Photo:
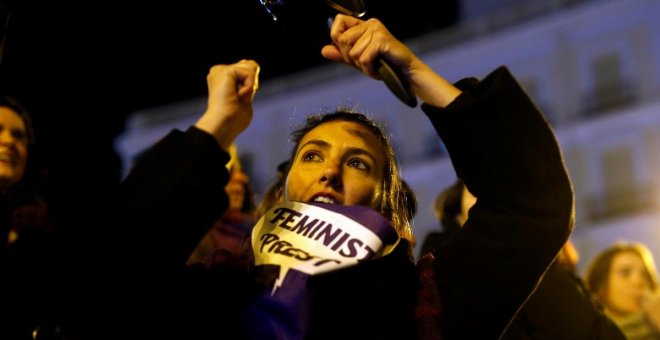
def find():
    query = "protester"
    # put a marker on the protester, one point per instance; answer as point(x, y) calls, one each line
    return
point(334, 258)
point(625, 279)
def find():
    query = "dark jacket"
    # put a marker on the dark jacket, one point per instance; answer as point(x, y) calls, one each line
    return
point(562, 308)
point(504, 151)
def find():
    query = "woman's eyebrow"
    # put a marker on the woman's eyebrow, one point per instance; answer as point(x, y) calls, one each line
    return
point(365, 136)
point(360, 151)
point(317, 142)
point(324, 145)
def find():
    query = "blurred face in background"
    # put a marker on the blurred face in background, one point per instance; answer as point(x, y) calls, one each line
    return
point(235, 188)
point(13, 147)
point(628, 283)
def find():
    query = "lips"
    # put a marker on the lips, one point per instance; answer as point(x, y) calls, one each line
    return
point(6, 158)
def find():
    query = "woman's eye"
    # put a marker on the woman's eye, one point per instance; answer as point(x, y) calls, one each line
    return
point(359, 164)
point(19, 135)
point(311, 156)
point(625, 272)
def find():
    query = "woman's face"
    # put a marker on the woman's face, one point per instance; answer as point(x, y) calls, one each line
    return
point(337, 162)
point(13, 147)
point(628, 282)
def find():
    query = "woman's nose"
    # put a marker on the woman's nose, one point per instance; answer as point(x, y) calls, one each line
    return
point(6, 138)
point(331, 175)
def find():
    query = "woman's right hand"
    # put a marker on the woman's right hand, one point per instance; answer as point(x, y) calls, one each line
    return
point(231, 89)
point(359, 43)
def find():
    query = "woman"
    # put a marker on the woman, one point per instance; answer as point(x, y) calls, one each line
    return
point(23, 211)
point(333, 259)
point(625, 280)
point(16, 134)
point(15, 140)
point(26, 248)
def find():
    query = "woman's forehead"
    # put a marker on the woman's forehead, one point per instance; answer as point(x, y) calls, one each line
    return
point(625, 258)
point(7, 113)
point(339, 130)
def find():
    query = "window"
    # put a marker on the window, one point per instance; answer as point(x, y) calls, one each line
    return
point(610, 89)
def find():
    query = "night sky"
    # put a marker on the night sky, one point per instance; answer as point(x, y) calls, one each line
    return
point(80, 69)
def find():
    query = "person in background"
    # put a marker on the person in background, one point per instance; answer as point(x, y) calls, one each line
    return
point(29, 248)
point(449, 211)
point(24, 210)
point(227, 240)
point(624, 278)
point(561, 307)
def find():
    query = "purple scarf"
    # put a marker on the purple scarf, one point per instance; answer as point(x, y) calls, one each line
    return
point(293, 241)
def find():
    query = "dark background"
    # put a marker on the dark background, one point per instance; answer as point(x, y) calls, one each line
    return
point(80, 69)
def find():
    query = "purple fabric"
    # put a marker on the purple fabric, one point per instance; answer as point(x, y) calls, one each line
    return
point(282, 310)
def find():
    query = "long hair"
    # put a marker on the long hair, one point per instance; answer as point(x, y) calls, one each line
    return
point(391, 200)
point(274, 191)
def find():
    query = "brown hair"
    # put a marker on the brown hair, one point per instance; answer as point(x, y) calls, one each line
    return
point(274, 191)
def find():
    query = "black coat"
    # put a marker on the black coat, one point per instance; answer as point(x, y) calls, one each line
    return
point(562, 308)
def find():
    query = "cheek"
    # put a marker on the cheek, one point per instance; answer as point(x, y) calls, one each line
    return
point(617, 288)
point(360, 192)
point(614, 284)
point(293, 186)
point(23, 158)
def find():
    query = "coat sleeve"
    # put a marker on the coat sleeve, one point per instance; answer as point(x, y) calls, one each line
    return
point(507, 155)
point(562, 308)
point(172, 196)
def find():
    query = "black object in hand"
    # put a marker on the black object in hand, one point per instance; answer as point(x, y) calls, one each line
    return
point(289, 11)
